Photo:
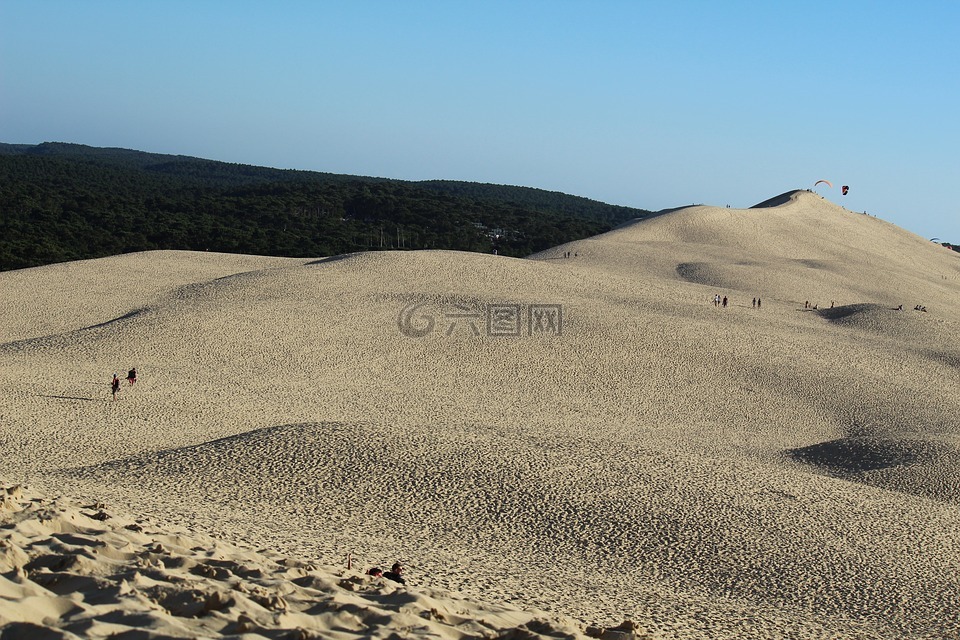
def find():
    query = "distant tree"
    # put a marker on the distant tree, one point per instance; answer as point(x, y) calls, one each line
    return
point(61, 202)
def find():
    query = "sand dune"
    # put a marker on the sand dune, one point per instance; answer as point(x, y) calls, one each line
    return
point(102, 290)
point(100, 574)
point(818, 256)
point(632, 452)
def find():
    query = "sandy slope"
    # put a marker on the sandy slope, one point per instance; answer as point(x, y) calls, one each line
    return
point(109, 288)
point(102, 575)
point(707, 472)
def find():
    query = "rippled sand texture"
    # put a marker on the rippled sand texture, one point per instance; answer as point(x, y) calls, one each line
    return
point(636, 452)
point(71, 570)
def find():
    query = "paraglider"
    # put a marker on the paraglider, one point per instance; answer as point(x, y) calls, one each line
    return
point(826, 182)
point(844, 189)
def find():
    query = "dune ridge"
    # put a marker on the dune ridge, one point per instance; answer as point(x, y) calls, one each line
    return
point(586, 435)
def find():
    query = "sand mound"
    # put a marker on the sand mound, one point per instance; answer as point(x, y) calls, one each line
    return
point(70, 570)
point(795, 247)
point(899, 328)
point(492, 420)
point(109, 287)
point(894, 322)
point(493, 477)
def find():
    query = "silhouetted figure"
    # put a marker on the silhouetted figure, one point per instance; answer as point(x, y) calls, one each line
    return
point(115, 386)
point(724, 302)
point(394, 573)
point(132, 376)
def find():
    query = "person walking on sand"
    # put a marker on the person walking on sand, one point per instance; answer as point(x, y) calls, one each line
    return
point(724, 302)
point(132, 376)
point(115, 386)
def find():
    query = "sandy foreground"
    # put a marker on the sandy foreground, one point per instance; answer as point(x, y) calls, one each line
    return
point(72, 570)
point(582, 438)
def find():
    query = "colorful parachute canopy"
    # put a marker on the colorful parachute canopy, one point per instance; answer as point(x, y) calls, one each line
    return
point(826, 182)
point(844, 189)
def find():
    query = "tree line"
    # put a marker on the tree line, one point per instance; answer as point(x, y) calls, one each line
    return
point(62, 202)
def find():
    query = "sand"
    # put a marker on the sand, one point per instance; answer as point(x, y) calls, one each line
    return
point(102, 575)
point(632, 453)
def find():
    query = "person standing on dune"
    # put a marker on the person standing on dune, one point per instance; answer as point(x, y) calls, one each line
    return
point(115, 386)
point(132, 376)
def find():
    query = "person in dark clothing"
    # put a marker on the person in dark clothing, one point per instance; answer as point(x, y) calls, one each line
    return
point(115, 386)
point(132, 376)
point(376, 572)
point(394, 573)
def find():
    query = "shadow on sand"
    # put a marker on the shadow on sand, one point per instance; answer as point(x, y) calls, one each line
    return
point(336, 258)
point(40, 395)
point(861, 454)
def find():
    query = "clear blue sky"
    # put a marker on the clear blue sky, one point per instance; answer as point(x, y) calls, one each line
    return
point(646, 104)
